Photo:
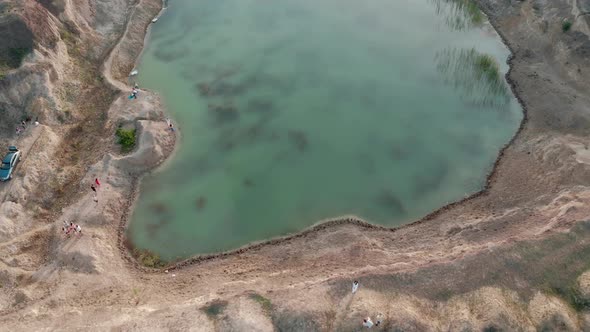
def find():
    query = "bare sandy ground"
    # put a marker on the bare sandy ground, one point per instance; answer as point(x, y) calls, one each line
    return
point(514, 257)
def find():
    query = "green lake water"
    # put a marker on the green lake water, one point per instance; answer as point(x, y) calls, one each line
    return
point(293, 111)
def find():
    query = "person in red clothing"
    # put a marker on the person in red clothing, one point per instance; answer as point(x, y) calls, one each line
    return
point(97, 182)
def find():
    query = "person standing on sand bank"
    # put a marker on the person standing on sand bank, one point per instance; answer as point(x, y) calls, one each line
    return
point(169, 124)
point(355, 286)
point(367, 322)
point(95, 192)
point(97, 182)
point(379, 319)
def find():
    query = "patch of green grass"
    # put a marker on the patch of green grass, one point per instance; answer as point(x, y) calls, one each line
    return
point(460, 14)
point(148, 258)
point(214, 308)
point(478, 74)
point(263, 301)
point(471, 10)
point(126, 139)
point(487, 67)
point(566, 26)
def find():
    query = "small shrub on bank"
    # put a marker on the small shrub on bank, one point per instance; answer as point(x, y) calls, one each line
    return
point(214, 308)
point(148, 258)
point(263, 301)
point(566, 26)
point(126, 139)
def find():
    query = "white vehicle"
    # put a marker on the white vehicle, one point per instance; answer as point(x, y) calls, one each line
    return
point(9, 163)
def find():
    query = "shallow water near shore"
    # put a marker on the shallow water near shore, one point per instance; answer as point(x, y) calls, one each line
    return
point(294, 111)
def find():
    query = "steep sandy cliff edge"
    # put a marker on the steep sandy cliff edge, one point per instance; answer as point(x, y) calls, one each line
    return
point(514, 257)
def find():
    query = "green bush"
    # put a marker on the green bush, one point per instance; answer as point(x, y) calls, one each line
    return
point(126, 139)
point(566, 26)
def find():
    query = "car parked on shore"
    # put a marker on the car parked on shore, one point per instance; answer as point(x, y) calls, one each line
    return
point(9, 163)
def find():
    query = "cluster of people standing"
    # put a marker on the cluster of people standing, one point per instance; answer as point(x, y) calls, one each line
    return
point(367, 322)
point(134, 92)
point(75, 228)
point(23, 125)
point(133, 95)
point(71, 228)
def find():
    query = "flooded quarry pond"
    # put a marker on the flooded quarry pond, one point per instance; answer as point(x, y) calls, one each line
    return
point(293, 111)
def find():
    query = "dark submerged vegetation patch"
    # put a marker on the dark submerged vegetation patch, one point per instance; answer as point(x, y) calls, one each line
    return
point(260, 105)
point(476, 75)
point(487, 68)
point(388, 199)
point(399, 152)
point(201, 203)
point(159, 208)
point(223, 114)
point(427, 181)
point(367, 163)
point(459, 14)
point(234, 137)
point(299, 139)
